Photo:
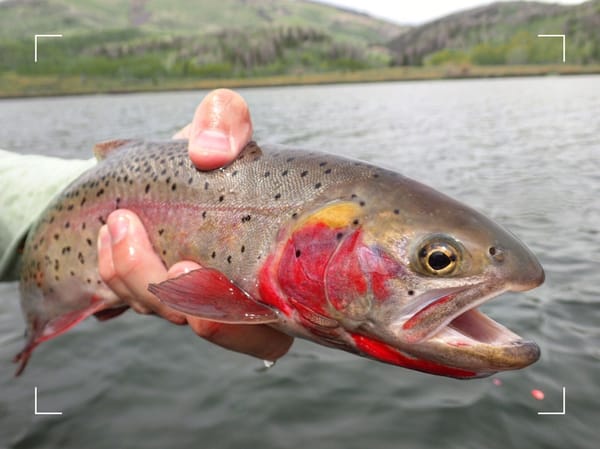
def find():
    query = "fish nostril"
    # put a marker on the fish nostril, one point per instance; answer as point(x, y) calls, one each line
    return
point(496, 253)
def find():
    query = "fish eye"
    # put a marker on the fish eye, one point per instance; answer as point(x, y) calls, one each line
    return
point(438, 258)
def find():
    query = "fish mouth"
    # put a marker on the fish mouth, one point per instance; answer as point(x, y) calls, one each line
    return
point(447, 327)
point(442, 332)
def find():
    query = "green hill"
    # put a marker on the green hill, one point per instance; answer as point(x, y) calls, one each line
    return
point(24, 18)
point(504, 33)
point(156, 39)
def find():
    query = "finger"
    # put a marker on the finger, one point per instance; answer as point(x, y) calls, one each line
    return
point(257, 340)
point(183, 133)
point(136, 265)
point(220, 129)
point(106, 267)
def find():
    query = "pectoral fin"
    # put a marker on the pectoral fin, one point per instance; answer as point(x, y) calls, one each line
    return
point(209, 294)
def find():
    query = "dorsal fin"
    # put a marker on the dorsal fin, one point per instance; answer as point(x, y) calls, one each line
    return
point(103, 149)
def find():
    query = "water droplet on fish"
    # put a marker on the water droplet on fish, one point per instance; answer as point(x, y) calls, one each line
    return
point(267, 364)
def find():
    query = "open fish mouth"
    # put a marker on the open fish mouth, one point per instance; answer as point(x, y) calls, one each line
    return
point(446, 326)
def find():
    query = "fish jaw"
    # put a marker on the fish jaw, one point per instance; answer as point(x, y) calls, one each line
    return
point(445, 334)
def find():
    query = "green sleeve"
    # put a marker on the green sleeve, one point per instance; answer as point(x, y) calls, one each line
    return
point(27, 184)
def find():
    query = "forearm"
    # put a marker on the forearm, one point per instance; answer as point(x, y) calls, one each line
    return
point(27, 184)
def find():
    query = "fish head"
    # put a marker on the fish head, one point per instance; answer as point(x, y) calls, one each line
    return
point(406, 285)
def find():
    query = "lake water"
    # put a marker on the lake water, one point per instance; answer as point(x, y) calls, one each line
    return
point(524, 151)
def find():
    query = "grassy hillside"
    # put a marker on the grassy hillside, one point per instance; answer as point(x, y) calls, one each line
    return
point(505, 33)
point(156, 39)
point(23, 18)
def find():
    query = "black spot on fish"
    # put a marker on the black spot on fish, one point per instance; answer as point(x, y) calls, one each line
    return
point(267, 174)
point(56, 236)
point(327, 171)
point(147, 188)
point(190, 180)
point(221, 198)
point(100, 192)
point(168, 180)
point(318, 185)
point(66, 249)
point(206, 185)
point(67, 225)
point(233, 173)
point(83, 225)
point(397, 211)
point(228, 259)
point(295, 215)
point(284, 173)
point(355, 222)
point(89, 241)
point(51, 219)
point(376, 175)
point(304, 173)
point(106, 183)
point(160, 231)
point(163, 171)
point(339, 235)
point(213, 255)
point(72, 273)
point(242, 249)
point(298, 252)
point(362, 203)
point(277, 196)
point(174, 187)
point(322, 164)
point(290, 159)
point(101, 220)
point(204, 214)
point(70, 207)
point(81, 258)
point(88, 280)
point(411, 292)
point(56, 265)
point(246, 218)
point(164, 253)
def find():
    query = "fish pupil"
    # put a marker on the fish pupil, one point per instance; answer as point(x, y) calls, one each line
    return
point(438, 260)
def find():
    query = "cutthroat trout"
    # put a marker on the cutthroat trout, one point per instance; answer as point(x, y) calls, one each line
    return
point(321, 247)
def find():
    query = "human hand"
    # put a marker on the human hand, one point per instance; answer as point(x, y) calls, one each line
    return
point(127, 263)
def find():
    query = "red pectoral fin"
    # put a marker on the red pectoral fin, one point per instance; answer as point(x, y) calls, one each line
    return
point(209, 294)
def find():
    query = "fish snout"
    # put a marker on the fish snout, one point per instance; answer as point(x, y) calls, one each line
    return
point(517, 265)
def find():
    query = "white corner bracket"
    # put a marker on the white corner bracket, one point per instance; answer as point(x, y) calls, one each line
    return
point(563, 43)
point(35, 405)
point(564, 409)
point(35, 43)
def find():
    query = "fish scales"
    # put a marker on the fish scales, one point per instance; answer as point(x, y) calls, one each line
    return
point(277, 223)
point(217, 212)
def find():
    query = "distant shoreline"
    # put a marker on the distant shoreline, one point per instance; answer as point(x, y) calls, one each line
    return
point(15, 86)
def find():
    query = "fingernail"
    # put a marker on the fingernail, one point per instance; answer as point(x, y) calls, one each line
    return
point(118, 229)
point(213, 141)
